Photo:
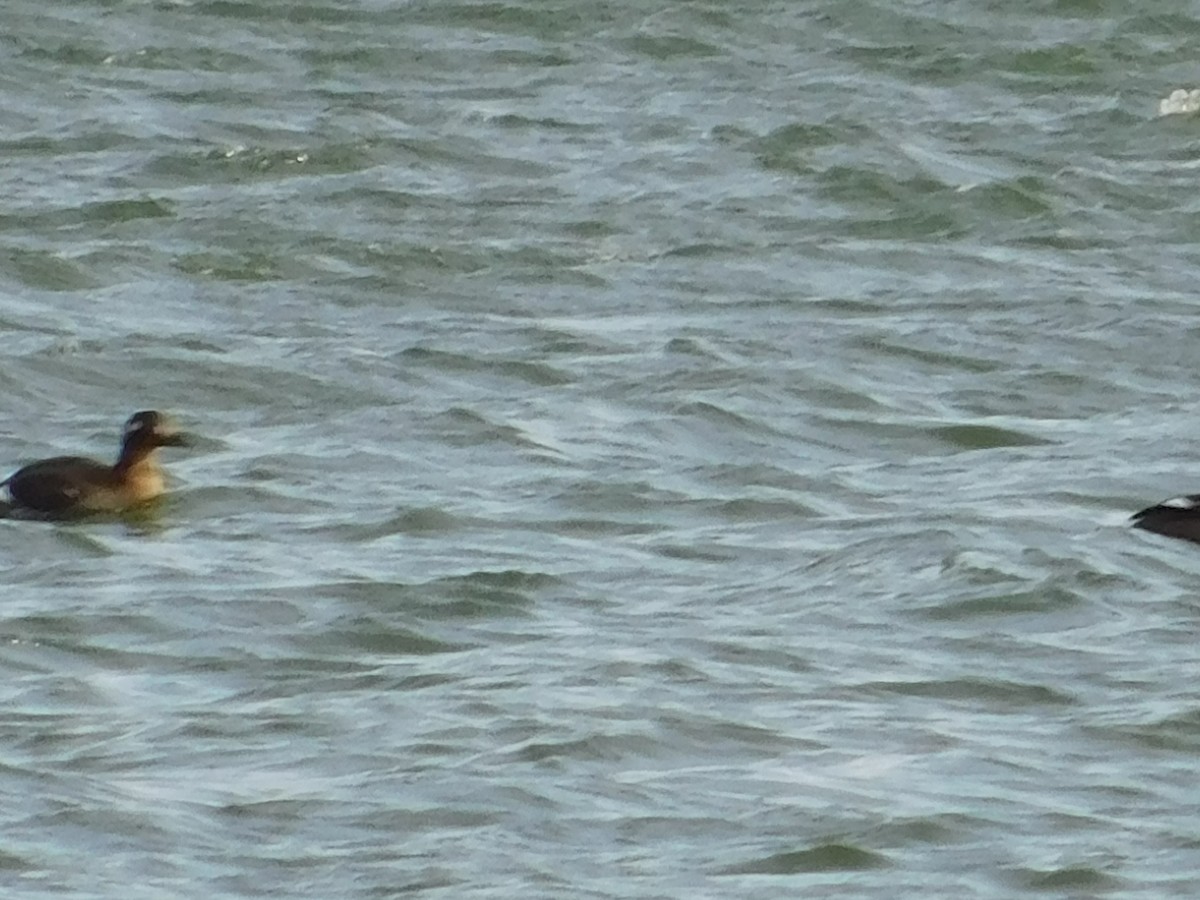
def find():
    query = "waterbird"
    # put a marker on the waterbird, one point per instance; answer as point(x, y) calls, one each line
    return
point(1177, 518)
point(74, 485)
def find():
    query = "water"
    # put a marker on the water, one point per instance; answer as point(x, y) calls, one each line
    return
point(643, 451)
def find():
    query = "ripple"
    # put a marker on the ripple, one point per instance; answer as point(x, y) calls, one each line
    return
point(822, 858)
point(467, 428)
point(664, 47)
point(1178, 733)
point(470, 595)
point(990, 690)
point(46, 271)
point(417, 521)
point(1039, 600)
point(538, 374)
point(981, 437)
point(1068, 878)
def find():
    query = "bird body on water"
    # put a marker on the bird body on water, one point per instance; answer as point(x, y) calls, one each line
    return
point(1177, 518)
point(75, 485)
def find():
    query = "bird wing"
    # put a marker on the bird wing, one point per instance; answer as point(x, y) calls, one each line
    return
point(55, 485)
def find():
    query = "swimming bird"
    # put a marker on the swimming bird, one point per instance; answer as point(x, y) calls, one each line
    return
point(1177, 518)
point(75, 485)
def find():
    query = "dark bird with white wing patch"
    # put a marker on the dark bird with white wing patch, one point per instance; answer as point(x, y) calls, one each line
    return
point(1177, 518)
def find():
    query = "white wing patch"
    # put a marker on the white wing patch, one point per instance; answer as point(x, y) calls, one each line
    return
point(1179, 503)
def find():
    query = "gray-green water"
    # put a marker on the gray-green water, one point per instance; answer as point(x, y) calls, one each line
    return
point(648, 451)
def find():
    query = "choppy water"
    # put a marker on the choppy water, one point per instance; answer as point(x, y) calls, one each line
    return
point(645, 451)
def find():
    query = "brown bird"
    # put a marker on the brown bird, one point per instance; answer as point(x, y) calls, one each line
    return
point(75, 485)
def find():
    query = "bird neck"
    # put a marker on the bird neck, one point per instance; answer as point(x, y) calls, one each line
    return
point(134, 457)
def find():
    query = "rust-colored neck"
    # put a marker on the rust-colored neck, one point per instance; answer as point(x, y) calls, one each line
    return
point(133, 455)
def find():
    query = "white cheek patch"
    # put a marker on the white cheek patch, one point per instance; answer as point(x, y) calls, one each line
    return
point(1180, 503)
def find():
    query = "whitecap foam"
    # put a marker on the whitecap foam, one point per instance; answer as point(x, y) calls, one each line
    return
point(1180, 102)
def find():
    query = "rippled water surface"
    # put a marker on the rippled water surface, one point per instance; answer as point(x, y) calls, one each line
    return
point(643, 451)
